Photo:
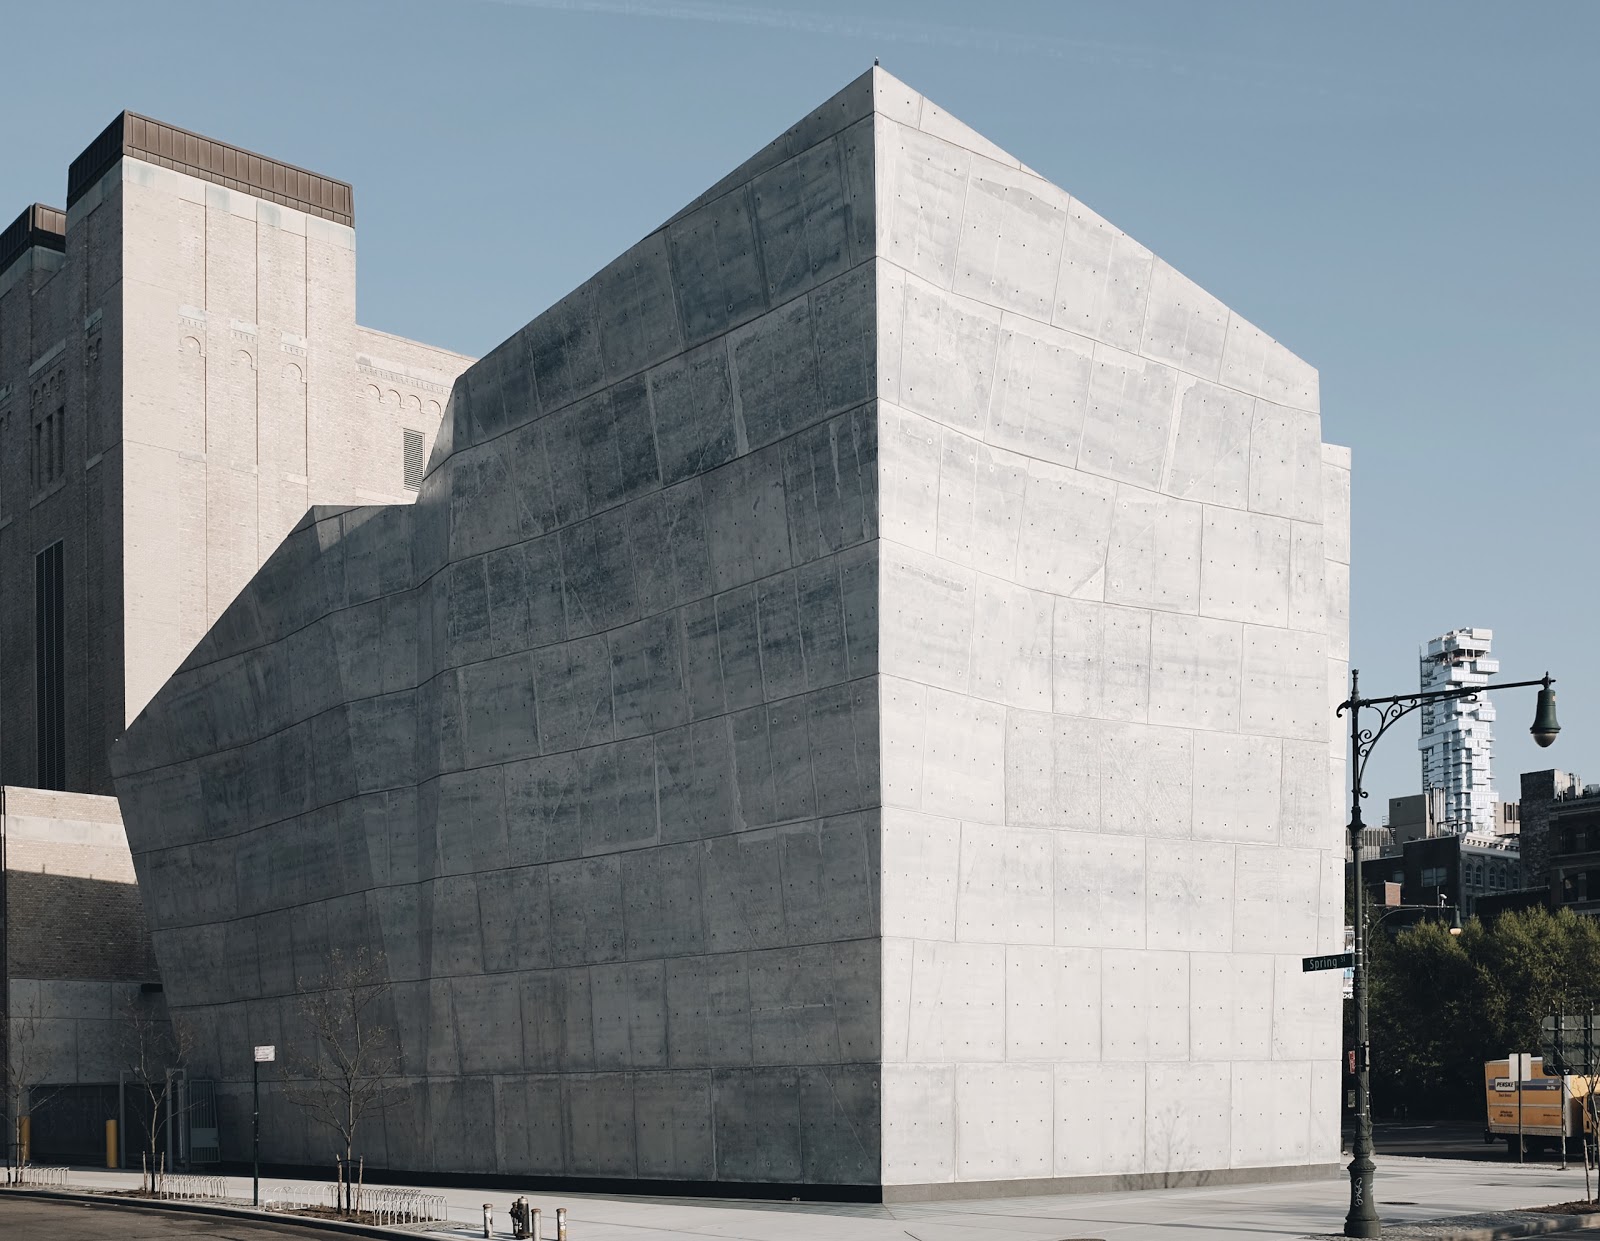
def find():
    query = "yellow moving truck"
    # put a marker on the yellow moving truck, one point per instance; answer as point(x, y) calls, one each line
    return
point(1552, 1105)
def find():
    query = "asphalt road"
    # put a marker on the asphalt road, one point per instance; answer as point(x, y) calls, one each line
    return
point(1443, 1139)
point(35, 1219)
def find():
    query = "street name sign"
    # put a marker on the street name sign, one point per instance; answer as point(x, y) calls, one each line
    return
point(1333, 961)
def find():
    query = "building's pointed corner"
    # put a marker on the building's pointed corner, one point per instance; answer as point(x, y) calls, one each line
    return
point(904, 105)
point(849, 106)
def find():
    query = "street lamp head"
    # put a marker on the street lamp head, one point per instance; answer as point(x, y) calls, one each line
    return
point(1545, 727)
point(1455, 919)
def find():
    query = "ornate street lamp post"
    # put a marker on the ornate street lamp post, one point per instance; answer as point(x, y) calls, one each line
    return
point(1362, 1218)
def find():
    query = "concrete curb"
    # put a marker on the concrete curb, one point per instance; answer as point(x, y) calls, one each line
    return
point(221, 1210)
point(1491, 1226)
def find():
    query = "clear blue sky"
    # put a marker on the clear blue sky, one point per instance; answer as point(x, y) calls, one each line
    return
point(1404, 194)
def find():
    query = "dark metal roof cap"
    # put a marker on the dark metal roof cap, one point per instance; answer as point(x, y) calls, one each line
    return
point(38, 225)
point(167, 146)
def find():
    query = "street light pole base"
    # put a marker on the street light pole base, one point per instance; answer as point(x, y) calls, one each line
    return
point(1362, 1219)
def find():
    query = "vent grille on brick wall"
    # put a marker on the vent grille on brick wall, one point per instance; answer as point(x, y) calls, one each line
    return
point(413, 459)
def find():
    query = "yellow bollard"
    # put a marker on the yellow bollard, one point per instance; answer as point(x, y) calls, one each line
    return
point(111, 1143)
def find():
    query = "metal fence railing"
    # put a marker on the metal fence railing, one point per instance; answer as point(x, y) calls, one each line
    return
point(41, 1176)
point(287, 1197)
point(189, 1187)
point(403, 1206)
point(385, 1205)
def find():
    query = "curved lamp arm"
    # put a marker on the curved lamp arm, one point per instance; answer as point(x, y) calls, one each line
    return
point(1455, 920)
point(1397, 706)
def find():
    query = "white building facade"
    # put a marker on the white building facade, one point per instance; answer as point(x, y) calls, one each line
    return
point(1457, 740)
point(181, 377)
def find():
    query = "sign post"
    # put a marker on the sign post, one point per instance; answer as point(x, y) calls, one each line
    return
point(264, 1055)
point(1522, 1066)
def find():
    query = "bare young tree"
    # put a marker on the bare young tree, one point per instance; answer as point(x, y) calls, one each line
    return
point(351, 1057)
point(154, 1051)
point(26, 1062)
point(1589, 1127)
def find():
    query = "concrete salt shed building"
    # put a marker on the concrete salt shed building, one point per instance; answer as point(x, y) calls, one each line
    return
point(849, 708)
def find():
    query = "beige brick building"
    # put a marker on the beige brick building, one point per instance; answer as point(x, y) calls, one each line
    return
point(181, 377)
point(78, 968)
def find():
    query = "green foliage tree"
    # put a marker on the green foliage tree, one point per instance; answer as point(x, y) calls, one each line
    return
point(1442, 1004)
point(1423, 989)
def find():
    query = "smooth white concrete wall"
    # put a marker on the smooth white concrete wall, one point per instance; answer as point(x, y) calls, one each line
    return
point(1113, 619)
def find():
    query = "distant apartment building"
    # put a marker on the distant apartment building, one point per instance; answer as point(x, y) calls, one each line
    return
point(1454, 870)
point(1417, 860)
point(181, 378)
point(1420, 816)
point(1457, 742)
point(1561, 838)
point(1416, 817)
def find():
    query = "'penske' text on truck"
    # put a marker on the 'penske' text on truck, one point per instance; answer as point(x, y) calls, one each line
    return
point(1553, 1109)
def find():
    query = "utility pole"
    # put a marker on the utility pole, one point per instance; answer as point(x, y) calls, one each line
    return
point(263, 1055)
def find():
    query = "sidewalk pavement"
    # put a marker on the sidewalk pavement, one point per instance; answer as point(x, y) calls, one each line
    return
point(1409, 1190)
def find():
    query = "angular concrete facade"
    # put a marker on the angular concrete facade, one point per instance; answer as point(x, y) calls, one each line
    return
point(850, 707)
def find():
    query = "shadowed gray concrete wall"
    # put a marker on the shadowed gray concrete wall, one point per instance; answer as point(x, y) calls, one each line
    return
point(588, 740)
